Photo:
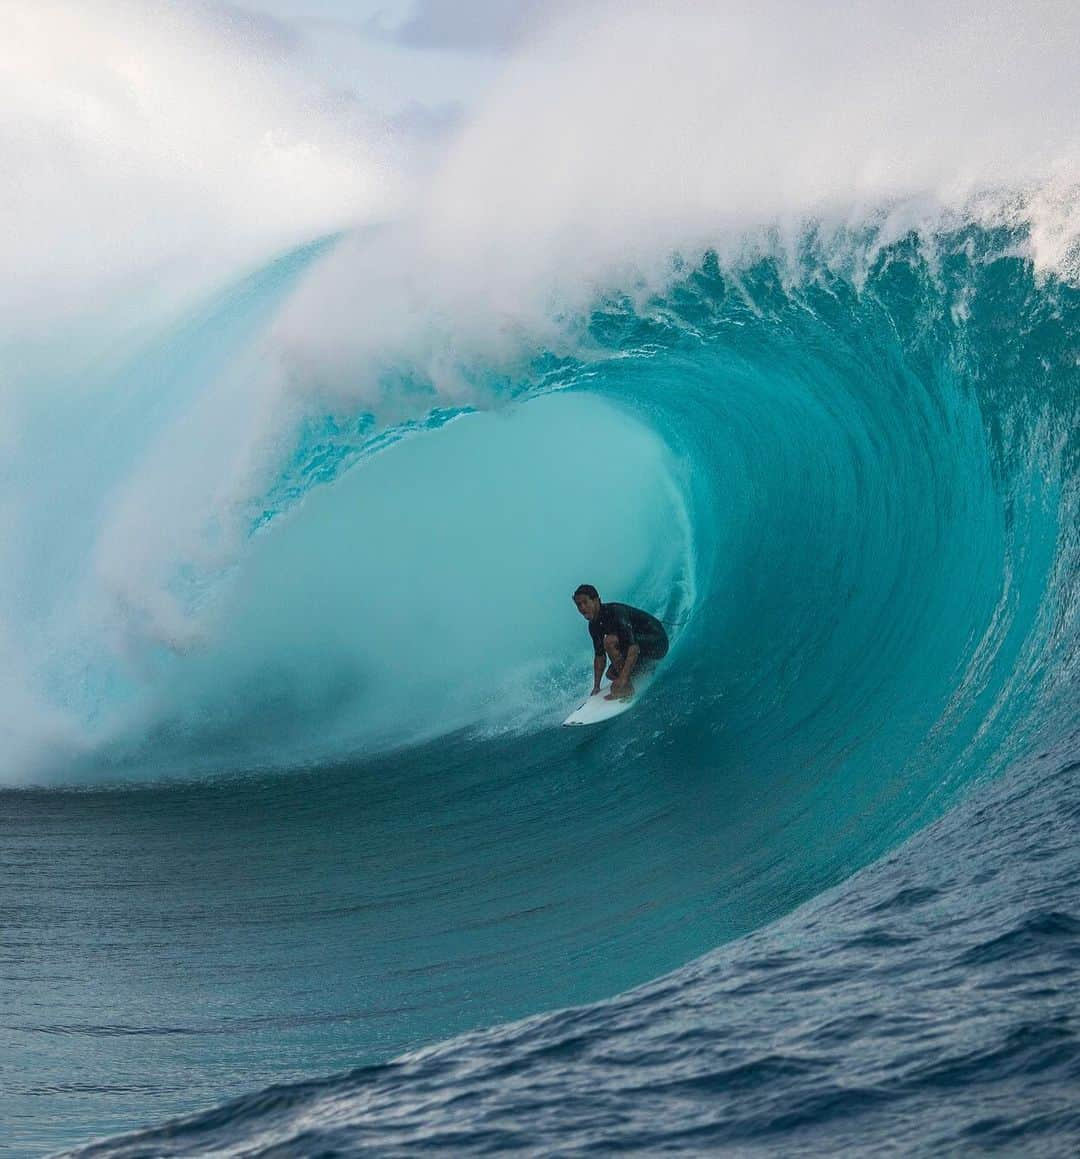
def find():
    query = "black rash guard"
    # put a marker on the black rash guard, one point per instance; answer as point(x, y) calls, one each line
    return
point(632, 626)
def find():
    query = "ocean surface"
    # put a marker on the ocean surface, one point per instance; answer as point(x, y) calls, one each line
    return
point(296, 858)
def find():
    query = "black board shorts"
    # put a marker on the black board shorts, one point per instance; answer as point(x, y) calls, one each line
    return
point(632, 626)
point(652, 645)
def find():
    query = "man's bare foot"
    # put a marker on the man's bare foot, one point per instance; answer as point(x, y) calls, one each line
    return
point(623, 693)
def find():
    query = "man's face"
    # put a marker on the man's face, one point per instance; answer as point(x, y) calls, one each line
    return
point(587, 606)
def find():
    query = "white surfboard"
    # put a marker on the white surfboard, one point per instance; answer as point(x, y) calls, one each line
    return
point(597, 708)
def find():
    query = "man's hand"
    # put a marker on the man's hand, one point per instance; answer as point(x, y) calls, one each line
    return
point(596, 689)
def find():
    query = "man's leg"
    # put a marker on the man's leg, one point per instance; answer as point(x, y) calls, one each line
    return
point(611, 647)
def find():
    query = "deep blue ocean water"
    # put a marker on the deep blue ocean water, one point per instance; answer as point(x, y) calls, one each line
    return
point(298, 876)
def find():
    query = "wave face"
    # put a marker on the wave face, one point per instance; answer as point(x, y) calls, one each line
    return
point(849, 483)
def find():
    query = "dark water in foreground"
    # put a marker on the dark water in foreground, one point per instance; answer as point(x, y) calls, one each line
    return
point(926, 1006)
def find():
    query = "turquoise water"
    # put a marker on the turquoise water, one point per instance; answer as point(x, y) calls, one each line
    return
point(292, 796)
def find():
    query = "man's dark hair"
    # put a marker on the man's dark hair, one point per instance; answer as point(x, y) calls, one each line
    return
point(587, 590)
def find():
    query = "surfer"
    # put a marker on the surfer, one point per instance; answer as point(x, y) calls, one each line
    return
point(624, 635)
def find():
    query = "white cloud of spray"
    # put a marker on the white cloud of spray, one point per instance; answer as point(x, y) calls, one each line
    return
point(633, 126)
point(143, 133)
point(142, 139)
point(630, 130)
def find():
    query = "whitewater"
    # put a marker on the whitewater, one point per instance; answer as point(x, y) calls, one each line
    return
point(767, 322)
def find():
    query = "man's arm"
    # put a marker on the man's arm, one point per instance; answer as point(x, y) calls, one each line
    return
point(599, 663)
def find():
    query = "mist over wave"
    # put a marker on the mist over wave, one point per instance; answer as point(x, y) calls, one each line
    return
point(151, 149)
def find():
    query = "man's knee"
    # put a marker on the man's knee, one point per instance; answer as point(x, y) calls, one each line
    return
point(611, 643)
